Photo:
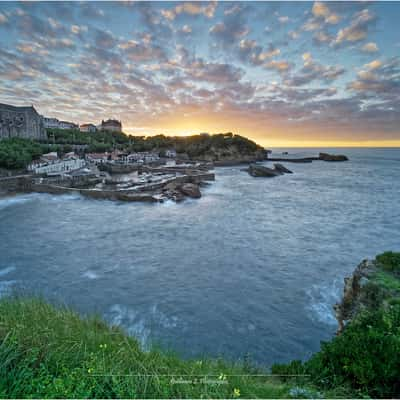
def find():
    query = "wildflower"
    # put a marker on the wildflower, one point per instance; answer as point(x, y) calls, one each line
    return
point(103, 346)
point(236, 392)
point(222, 377)
point(90, 370)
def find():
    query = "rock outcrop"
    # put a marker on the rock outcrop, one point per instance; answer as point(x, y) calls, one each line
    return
point(281, 168)
point(191, 190)
point(179, 191)
point(353, 296)
point(332, 157)
point(261, 171)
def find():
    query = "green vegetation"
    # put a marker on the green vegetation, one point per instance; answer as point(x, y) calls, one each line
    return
point(17, 153)
point(51, 352)
point(194, 146)
point(96, 141)
point(198, 146)
point(389, 261)
point(365, 359)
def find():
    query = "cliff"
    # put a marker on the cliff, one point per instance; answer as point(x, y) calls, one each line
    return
point(374, 283)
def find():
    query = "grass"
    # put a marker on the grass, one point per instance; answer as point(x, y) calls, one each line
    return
point(388, 281)
point(50, 352)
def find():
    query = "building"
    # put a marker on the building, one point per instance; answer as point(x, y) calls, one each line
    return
point(144, 157)
point(170, 153)
point(68, 125)
point(88, 128)
point(111, 125)
point(51, 164)
point(51, 123)
point(97, 158)
point(23, 122)
point(54, 123)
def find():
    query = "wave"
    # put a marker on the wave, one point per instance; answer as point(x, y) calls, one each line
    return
point(26, 198)
point(14, 200)
point(321, 301)
point(141, 325)
point(90, 275)
point(7, 270)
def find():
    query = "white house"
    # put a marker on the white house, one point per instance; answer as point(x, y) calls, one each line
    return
point(142, 157)
point(55, 123)
point(57, 167)
point(170, 153)
point(97, 158)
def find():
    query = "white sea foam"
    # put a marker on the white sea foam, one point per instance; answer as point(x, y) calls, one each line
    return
point(322, 298)
point(129, 319)
point(90, 275)
point(138, 324)
point(6, 271)
point(14, 200)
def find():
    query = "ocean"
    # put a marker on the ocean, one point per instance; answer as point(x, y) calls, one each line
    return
point(251, 269)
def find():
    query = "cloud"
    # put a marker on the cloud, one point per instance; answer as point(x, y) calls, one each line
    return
point(105, 39)
point(312, 71)
point(186, 29)
point(3, 18)
point(91, 10)
point(370, 48)
point(136, 51)
point(358, 28)
point(322, 37)
point(76, 29)
point(217, 73)
point(321, 10)
point(279, 66)
point(378, 76)
point(190, 8)
point(293, 35)
point(230, 30)
point(283, 19)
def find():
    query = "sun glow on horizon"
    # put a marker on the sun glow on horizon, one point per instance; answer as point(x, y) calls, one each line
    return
point(265, 141)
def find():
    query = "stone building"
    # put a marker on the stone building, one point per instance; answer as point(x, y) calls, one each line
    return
point(23, 122)
point(88, 128)
point(111, 125)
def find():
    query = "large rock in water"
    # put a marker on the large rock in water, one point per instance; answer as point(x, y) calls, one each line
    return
point(261, 171)
point(332, 157)
point(191, 190)
point(281, 168)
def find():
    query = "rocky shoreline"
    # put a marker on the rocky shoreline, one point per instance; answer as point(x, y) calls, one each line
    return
point(352, 300)
point(146, 183)
point(373, 283)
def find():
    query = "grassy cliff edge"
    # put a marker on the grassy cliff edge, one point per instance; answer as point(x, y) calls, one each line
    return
point(51, 352)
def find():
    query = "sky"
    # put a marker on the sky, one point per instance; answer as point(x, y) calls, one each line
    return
point(281, 73)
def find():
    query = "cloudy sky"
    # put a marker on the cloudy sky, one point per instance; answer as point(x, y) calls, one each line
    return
point(282, 73)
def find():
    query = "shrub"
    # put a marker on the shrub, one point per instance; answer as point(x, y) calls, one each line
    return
point(389, 261)
point(366, 356)
point(17, 153)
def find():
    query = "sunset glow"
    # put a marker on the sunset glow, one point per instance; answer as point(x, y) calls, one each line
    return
point(284, 74)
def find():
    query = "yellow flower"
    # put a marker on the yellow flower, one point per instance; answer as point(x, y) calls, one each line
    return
point(90, 370)
point(222, 377)
point(236, 392)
